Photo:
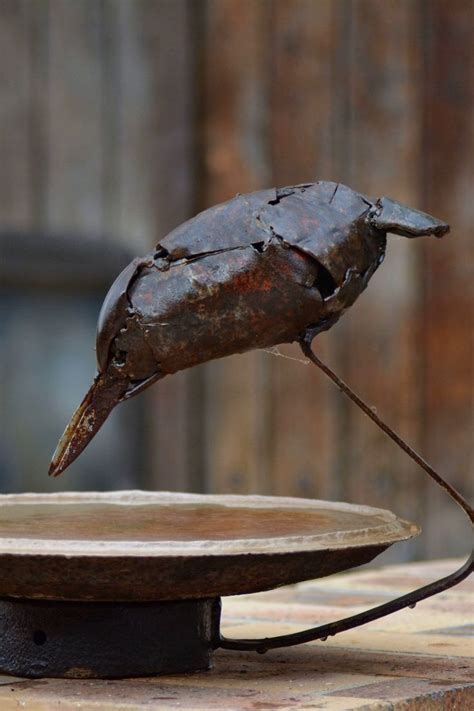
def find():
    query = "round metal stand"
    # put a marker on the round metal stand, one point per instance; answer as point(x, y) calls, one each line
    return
point(106, 639)
point(128, 584)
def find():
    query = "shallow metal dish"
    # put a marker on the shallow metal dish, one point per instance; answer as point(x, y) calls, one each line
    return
point(148, 546)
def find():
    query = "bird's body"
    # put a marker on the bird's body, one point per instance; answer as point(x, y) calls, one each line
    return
point(265, 268)
point(233, 279)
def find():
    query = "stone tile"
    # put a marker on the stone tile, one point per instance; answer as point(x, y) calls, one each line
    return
point(405, 689)
point(462, 631)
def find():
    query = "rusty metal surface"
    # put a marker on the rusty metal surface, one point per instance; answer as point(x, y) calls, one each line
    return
point(149, 546)
point(261, 269)
point(106, 640)
point(236, 295)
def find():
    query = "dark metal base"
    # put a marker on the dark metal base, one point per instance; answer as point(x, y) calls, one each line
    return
point(105, 639)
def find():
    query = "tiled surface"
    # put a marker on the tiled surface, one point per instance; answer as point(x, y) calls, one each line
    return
point(414, 660)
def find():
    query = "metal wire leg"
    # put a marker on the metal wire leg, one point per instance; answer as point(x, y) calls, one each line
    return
point(410, 599)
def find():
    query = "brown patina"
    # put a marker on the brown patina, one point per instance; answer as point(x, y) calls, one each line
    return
point(271, 267)
point(274, 266)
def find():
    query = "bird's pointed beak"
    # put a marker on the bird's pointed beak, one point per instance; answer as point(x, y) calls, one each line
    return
point(105, 392)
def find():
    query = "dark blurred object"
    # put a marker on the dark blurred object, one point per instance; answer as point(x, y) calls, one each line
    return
point(68, 263)
point(51, 288)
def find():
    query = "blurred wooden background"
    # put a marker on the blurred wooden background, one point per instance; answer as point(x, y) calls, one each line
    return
point(124, 117)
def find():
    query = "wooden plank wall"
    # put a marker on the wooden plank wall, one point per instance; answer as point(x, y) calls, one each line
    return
point(121, 118)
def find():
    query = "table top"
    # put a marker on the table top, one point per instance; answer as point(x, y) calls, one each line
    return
point(415, 660)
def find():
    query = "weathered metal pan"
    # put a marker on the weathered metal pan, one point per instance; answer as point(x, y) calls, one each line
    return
point(148, 546)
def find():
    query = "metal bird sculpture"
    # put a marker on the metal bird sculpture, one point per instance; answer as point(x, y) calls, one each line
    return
point(269, 267)
point(265, 268)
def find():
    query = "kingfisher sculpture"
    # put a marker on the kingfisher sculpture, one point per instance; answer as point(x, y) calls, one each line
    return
point(269, 267)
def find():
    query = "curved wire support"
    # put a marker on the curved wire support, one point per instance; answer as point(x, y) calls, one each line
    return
point(322, 632)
